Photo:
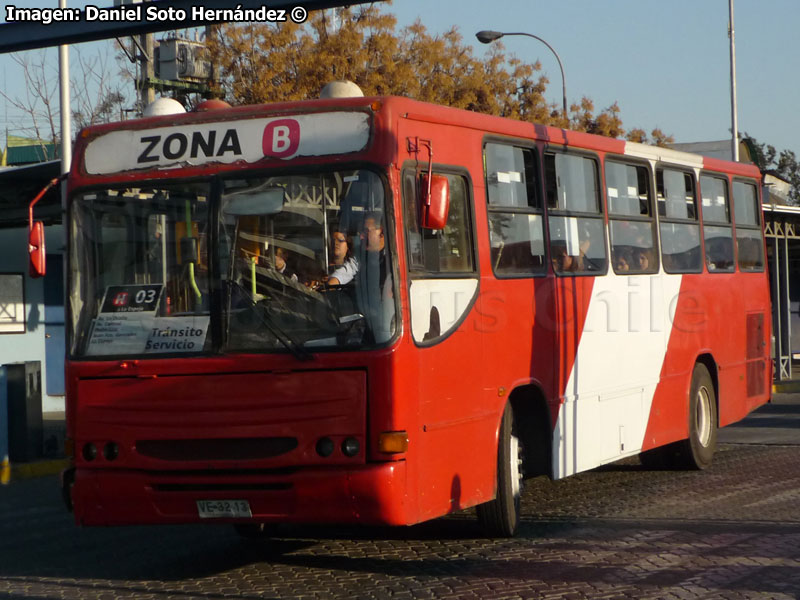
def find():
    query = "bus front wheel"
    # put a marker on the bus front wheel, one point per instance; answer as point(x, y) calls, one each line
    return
point(500, 517)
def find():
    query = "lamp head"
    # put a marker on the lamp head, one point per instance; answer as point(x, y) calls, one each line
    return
point(487, 37)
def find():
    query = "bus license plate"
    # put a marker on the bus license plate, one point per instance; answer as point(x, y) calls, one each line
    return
point(223, 509)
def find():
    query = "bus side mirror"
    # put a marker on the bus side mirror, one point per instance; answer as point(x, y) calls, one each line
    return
point(435, 201)
point(36, 250)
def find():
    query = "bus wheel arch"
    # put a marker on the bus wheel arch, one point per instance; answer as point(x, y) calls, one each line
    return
point(710, 364)
point(533, 418)
point(696, 451)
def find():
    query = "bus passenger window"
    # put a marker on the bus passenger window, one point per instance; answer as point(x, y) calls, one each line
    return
point(577, 232)
point(676, 197)
point(680, 230)
point(717, 230)
point(748, 227)
point(571, 183)
point(751, 249)
point(630, 219)
point(680, 248)
point(577, 245)
point(719, 248)
point(516, 226)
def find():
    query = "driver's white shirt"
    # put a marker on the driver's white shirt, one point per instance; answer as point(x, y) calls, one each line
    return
point(347, 271)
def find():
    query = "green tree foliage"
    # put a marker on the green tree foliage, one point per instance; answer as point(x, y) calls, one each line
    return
point(259, 63)
point(783, 164)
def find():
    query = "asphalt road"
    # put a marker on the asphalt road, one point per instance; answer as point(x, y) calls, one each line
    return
point(616, 532)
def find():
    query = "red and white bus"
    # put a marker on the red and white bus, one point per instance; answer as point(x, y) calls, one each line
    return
point(376, 310)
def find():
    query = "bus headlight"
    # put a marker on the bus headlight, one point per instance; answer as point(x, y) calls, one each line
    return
point(325, 447)
point(111, 451)
point(350, 447)
point(89, 452)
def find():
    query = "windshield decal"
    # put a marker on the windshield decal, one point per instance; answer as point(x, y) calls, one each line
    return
point(144, 333)
point(127, 324)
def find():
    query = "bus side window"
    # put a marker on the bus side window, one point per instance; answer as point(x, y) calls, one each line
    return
point(748, 227)
point(577, 232)
point(447, 250)
point(630, 218)
point(516, 225)
point(680, 228)
point(411, 219)
point(717, 230)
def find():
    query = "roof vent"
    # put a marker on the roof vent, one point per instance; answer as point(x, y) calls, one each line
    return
point(163, 106)
point(211, 104)
point(341, 89)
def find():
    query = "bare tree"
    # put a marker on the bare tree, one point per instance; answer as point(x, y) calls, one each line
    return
point(96, 95)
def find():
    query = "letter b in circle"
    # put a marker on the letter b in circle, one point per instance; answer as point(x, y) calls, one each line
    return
point(281, 138)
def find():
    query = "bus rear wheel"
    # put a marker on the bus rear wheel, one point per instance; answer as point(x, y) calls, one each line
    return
point(500, 517)
point(697, 451)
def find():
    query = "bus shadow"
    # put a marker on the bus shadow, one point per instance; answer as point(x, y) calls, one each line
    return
point(771, 416)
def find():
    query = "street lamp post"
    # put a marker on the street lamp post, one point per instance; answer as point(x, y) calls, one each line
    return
point(487, 37)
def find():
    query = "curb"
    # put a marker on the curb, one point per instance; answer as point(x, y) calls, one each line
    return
point(786, 387)
point(36, 469)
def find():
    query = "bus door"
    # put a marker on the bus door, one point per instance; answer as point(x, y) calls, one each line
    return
point(610, 308)
point(443, 292)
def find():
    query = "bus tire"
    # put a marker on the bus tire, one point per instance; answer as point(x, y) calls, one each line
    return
point(697, 451)
point(500, 517)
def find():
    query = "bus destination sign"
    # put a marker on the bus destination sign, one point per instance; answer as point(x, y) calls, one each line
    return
point(131, 298)
point(243, 140)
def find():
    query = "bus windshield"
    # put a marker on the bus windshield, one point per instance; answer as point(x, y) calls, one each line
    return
point(293, 262)
point(305, 261)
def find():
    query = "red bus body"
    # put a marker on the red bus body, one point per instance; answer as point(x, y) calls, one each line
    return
point(597, 367)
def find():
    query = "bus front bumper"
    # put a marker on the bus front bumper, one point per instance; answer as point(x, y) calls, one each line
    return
point(374, 494)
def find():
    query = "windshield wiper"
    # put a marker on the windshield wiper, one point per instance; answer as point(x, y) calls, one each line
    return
point(269, 322)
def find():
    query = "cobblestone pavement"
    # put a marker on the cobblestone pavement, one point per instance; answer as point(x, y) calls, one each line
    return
point(618, 532)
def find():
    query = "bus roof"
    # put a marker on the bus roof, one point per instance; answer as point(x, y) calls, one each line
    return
point(171, 140)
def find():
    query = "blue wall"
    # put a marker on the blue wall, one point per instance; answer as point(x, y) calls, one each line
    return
point(39, 318)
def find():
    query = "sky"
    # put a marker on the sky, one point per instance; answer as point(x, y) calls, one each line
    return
point(666, 64)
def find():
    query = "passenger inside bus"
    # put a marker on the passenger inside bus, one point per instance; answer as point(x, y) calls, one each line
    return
point(563, 261)
point(345, 265)
point(642, 259)
point(281, 265)
point(342, 248)
point(623, 258)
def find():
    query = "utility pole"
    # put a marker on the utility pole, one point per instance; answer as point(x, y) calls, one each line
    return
point(66, 112)
point(147, 69)
point(734, 123)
